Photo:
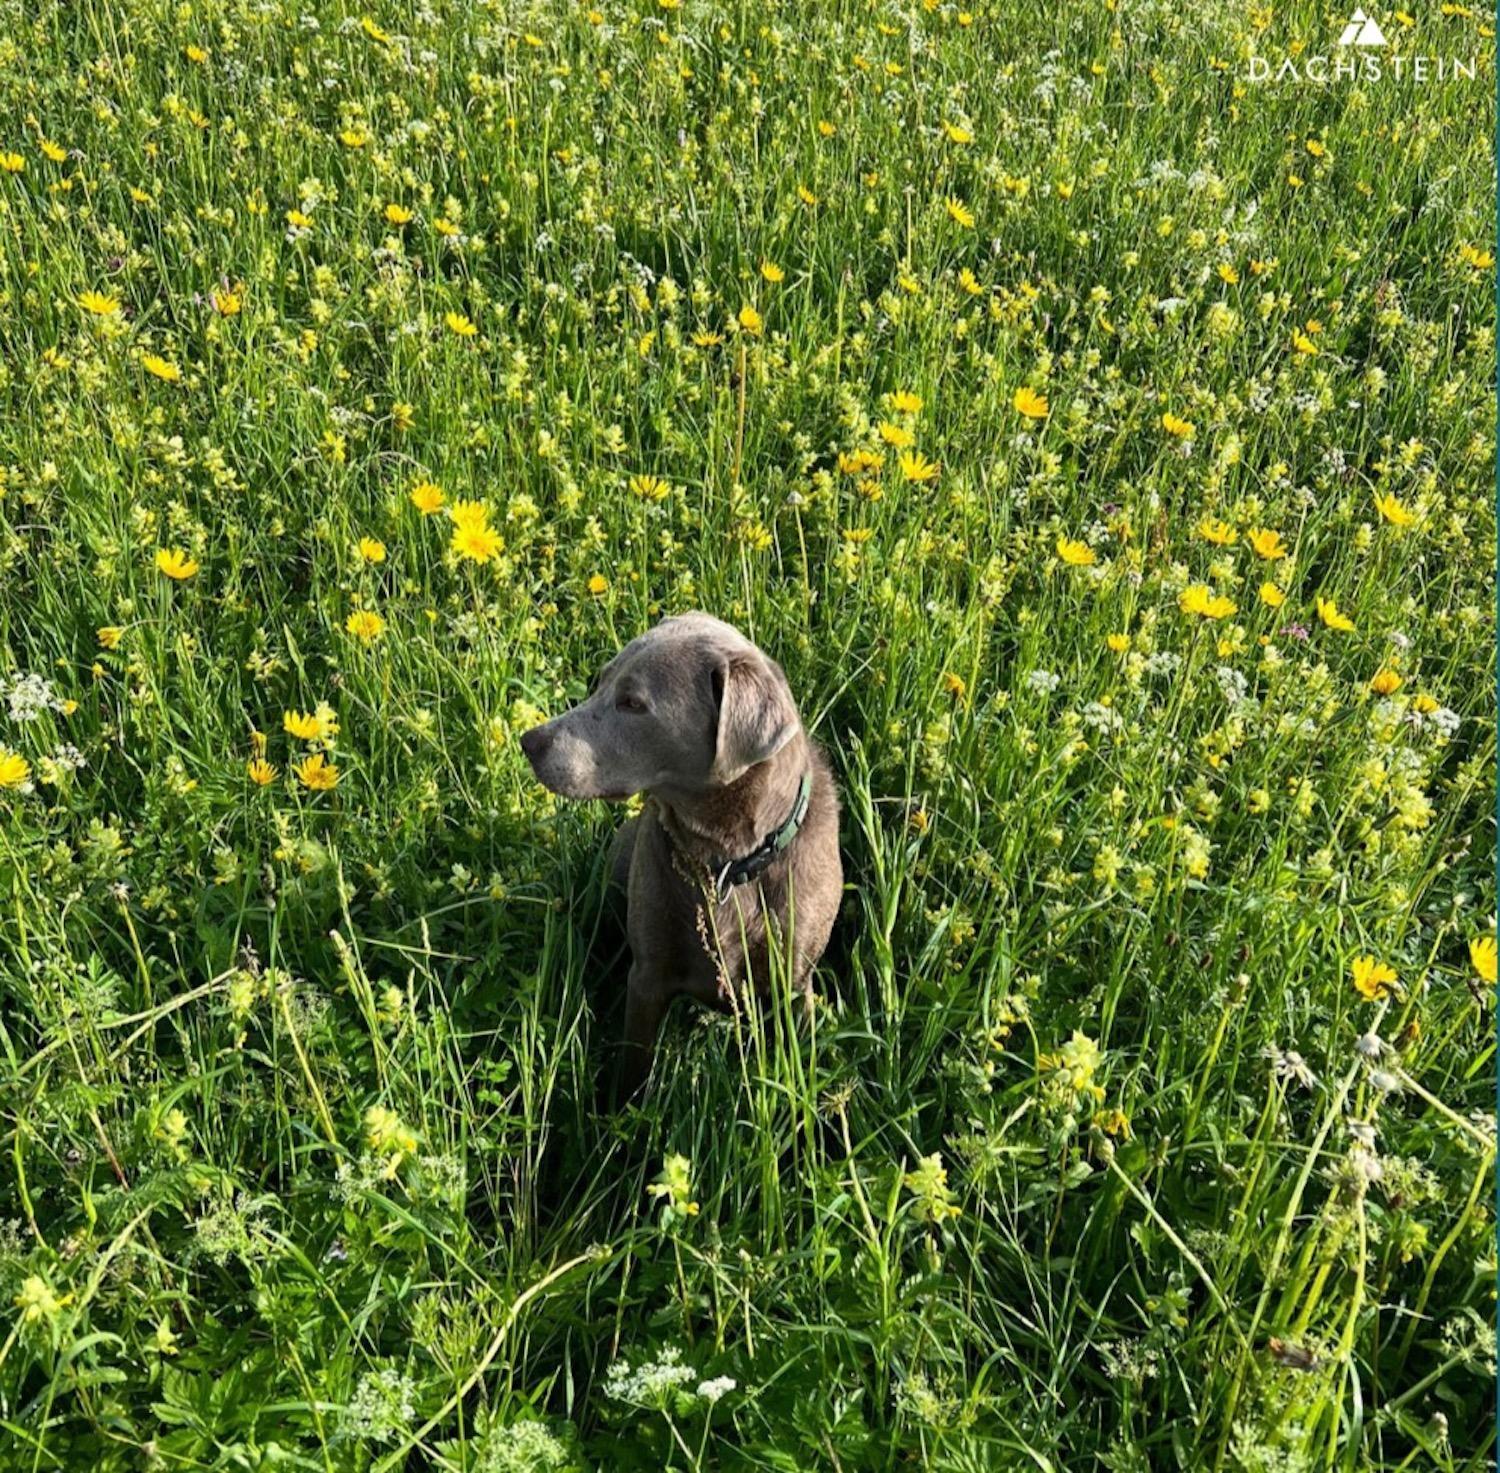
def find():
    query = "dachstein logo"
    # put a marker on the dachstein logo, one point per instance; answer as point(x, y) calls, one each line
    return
point(1362, 31)
point(1362, 55)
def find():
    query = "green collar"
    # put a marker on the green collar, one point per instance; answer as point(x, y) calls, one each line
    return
point(769, 850)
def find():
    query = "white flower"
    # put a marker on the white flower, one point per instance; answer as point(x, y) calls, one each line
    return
point(711, 1391)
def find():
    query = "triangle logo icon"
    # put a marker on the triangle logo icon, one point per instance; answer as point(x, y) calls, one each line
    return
point(1362, 30)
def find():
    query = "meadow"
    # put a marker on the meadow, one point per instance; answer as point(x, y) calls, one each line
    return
point(1102, 440)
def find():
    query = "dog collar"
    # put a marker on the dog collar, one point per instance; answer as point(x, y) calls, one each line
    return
point(769, 850)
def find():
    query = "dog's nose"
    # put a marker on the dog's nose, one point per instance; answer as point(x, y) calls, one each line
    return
point(535, 742)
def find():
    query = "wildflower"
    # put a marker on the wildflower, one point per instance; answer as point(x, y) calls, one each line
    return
point(954, 685)
point(750, 321)
point(397, 214)
point(1219, 533)
point(1392, 511)
point(175, 563)
point(898, 437)
point(1118, 643)
point(387, 1134)
point(459, 325)
point(260, 772)
point(929, 1184)
point(1373, 979)
point(12, 163)
point(651, 1384)
point(650, 488)
point(917, 468)
point(1290, 1066)
point(109, 636)
point(903, 401)
point(772, 272)
point(1328, 612)
point(956, 134)
point(1271, 596)
point(365, 625)
point(1265, 544)
point(1228, 274)
point(1385, 682)
point(100, 304)
point(1483, 955)
point(315, 726)
point(317, 773)
point(427, 497)
point(969, 283)
point(1075, 553)
point(675, 1185)
point(1070, 1071)
point(372, 549)
point(1197, 599)
point(598, 584)
point(38, 1302)
point(1028, 403)
point(15, 770)
point(159, 367)
point(476, 541)
point(1181, 429)
point(960, 213)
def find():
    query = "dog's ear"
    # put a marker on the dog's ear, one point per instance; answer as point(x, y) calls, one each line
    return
point(756, 718)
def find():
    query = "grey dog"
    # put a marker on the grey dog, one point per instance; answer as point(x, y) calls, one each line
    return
point(736, 849)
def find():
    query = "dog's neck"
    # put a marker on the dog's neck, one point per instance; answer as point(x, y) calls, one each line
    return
point(730, 822)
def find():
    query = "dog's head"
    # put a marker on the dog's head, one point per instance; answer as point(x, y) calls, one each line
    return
point(689, 706)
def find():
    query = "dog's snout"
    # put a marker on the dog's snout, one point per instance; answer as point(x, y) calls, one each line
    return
point(535, 742)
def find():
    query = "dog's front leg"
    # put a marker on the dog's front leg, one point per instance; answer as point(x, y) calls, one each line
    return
point(645, 1002)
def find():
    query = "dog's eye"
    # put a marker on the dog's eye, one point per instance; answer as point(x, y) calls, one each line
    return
point(633, 704)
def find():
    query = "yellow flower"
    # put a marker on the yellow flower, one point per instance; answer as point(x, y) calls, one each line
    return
point(14, 769)
point(598, 584)
point(916, 467)
point(750, 321)
point(195, 54)
point(896, 436)
point(260, 772)
point(459, 325)
point(969, 283)
point(1219, 533)
point(1373, 980)
point(427, 497)
point(37, 1301)
point(929, 1184)
point(175, 563)
point(387, 1134)
point(956, 134)
point(1028, 402)
point(903, 401)
point(1076, 554)
point(1183, 429)
point(12, 163)
point(476, 541)
point(954, 685)
point(469, 514)
point(313, 726)
point(1328, 612)
point(1119, 643)
point(1482, 954)
point(1303, 344)
point(372, 549)
point(1196, 599)
point(100, 304)
point(772, 272)
point(227, 304)
point(960, 213)
point(317, 772)
point(162, 368)
point(1385, 683)
point(1228, 274)
point(54, 151)
point(109, 636)
point(650, 488)
point(365, 625)
point(1266, 544)
point(1271, 596)
point(1392, 511)
point(398, 214)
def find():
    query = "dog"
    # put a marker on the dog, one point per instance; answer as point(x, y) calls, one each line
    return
point(736, 850)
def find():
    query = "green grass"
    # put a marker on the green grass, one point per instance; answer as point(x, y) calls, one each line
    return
point(303, 1161)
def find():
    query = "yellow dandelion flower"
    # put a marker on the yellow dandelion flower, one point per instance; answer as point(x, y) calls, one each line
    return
point(397, 214)
point(1373, 979)
point(917, 468)
point(1391, 510)
point(100, 304)
point(1179, 428)
point(750, 321)
point(903, 401)
point(372, 549)
point(14, 769)
point(1267, 545)
point(898, 437)
point(317, 773)
point(1221, 534)
point(1197, 599)
point(772, 272)
point(476, 542)
point(1075, 553)
point(175, 563)
point(459, 325)
point(959, 213)
point(427, 497)
point(598, 584)
point(365, 625)
point(1328, 612)
point(1119, 643)
point(260, 772)
point(1385, 682)
point(162, 368)
point(1483, 956)
point(1271, 596)
point(1026, 401)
